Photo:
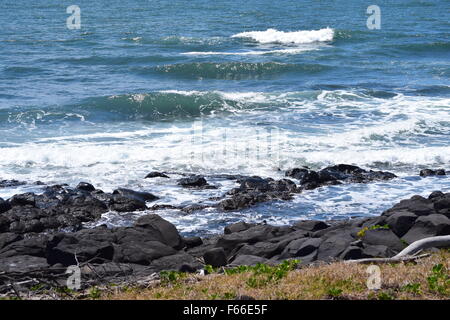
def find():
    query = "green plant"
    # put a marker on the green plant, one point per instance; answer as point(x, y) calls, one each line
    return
point(171, 276)
point(94, 293)
point(385, 296)
point(439, 280)
point(334, 292)
point(264, 274)
point(363, 231)
point(412, 288)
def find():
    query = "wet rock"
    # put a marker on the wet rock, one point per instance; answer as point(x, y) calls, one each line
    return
point(161, 229)
point(400, 222)
point(85, 187)
point(247, 260)
point(135, 195)
point(11, 183)
point(124, 204)
point(4, 206)
point(238, 227)
point(215, 257)
point(193, 207)
point(310, 225)
point(310, 179)
point(155, 174)
point(23, 264)
point(193, 182)
point(23, 199)
point(428, 226)
point(430, 172)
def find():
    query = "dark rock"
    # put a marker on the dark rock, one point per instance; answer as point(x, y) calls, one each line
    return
point(162, 229)
point(430, 172)
point(23, 264)
point(255, 234)
point(238, 227)
point(192, 242)
point(352, 252)
point(247, 260)
point(125, 204)
point(377, 251)
point(4, 206)
point(141, 252)
point(428, 226)
point(333, 246)
point(383, 237)
point(215, 257)
point(193, 207)
point(23, 199)
point(310, 179)
point(416, 204)
point(135, 195)
point(155, 174)
point(85, 187)
point(7, 238)
point(261, 249)
point(68, 250)
point(192, 182)
point(34, 246)
point(301, 247)
point(400, 222)
point(436, 194)
point(11, 183)
point(177, 262)
point(310, 225)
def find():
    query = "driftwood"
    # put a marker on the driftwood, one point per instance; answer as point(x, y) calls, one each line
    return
point(409, 253)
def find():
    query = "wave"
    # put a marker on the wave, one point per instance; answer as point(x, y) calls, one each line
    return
point(250, 52)
point(237, 70)
point(281, 37)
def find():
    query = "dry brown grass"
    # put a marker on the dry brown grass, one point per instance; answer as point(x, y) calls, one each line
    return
point(336, 280)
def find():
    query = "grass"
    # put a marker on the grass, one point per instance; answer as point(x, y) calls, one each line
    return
point(426, 279)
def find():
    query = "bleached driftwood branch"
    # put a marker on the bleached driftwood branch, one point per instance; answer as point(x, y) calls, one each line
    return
point(407, 254)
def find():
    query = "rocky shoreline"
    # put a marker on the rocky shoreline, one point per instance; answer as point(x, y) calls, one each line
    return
point(43, 234)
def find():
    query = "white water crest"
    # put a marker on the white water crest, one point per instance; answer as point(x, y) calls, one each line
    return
point(294, 37)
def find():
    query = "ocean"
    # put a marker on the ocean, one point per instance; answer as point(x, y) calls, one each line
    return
point(225, 87)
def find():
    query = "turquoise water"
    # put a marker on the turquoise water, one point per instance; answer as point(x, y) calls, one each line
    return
point(226, 87)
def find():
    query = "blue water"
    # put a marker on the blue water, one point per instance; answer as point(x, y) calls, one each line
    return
point(177, 86)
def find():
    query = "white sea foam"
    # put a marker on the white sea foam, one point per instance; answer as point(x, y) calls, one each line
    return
point(250, 53)
point(282, 37)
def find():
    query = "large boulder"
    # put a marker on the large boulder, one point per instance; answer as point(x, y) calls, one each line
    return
point(215, 257)
point(141, 252)
point(193, 182)
point(33, 246)
point(428, 226)
point(400, 222)
point(161, 229)
point(68, 249)
point(384, 237)
point(430, 172)
point(333, 246)
point(301, 247)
